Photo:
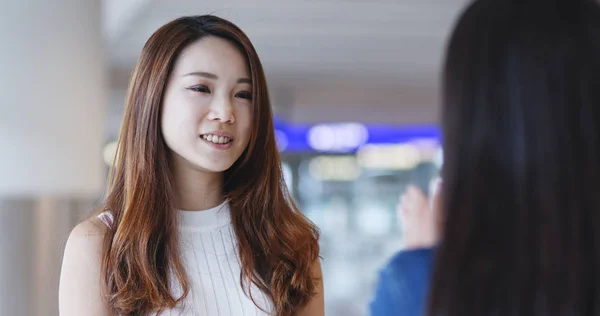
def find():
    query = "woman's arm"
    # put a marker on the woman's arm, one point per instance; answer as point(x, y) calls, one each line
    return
point(80, 282)
point(316, 306)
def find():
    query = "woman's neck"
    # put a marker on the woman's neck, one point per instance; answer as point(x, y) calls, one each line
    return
point(196, 189)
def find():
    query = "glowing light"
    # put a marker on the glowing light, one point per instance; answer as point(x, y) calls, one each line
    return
point(439, 157)
point(288, 176)
point(427, 148)
point(109, 152)
point(389, 156)
point(342, 137)
point(281, 139)
point(334, 168)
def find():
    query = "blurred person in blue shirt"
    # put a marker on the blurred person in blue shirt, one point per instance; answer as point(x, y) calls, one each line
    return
point(399, 292)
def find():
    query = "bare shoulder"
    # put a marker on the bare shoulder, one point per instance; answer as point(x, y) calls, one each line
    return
point(83, 251)
point(80, 290)
point(91, 228)
point(86, 238)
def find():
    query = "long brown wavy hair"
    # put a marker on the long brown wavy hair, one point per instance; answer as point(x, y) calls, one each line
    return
point(277, 244)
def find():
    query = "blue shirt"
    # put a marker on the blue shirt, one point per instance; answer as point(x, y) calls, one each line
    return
point(403, 284)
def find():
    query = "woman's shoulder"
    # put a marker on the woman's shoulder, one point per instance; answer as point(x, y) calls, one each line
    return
point(406, 259)
point(411, 267)
point(93, 227)
point(80, 286)
point(403, 283)
point(86, 238)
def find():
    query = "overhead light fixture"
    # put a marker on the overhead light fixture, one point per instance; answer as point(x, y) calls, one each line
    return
point(109, 153)
point(282, 140)
point(334, 168)
point(388, 156)
point(340, 137)
point(439, 158)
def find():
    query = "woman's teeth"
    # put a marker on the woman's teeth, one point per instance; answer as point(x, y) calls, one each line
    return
point(216, 139)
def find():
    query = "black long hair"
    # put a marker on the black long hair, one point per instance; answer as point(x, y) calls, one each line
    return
point(521, 121)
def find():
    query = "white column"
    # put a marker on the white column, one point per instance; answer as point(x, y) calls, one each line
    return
point(53, 93)
point(52, 97)
point(16, 264)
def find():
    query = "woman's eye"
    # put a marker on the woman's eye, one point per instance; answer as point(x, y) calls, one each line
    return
point(200, 88)
point(244, 95)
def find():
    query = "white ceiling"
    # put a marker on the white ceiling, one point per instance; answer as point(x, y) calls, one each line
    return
point(329, 60)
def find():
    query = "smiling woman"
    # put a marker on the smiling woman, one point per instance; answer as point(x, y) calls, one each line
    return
point(208, 98)
point(198, 220)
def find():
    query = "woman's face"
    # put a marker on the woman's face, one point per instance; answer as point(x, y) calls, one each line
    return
point(207, 106)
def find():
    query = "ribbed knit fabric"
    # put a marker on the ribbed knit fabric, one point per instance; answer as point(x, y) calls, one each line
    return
point(209, 253)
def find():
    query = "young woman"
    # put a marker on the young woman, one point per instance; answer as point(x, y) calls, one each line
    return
point(198, 220)
point(521, 120)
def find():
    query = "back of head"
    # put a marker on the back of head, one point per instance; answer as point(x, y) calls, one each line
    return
point(521, 122)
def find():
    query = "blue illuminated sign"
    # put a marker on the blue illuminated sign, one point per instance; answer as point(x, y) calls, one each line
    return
point(347, 137)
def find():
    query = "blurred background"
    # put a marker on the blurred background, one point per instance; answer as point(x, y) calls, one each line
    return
point(354, 86)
